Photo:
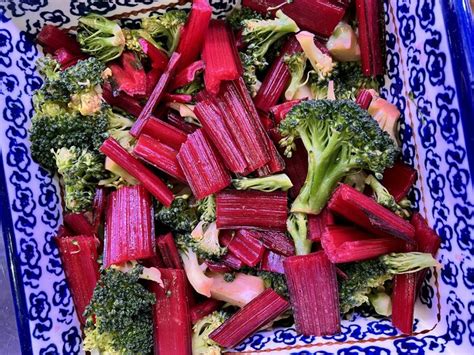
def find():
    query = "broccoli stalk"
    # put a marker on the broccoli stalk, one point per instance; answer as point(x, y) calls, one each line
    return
point(366, 276)
point(119, 316)
point(381, 302)
point(100, 37)
point(296, 64)
point(340, 138)
point(297, 226)
point(80, 170)
point(384, 198)
point(201, 344)
point(267, 184)
point(195, 271)
point(167, 26)
point(321, 62)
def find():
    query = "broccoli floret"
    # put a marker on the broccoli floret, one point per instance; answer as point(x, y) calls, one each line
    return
point(348, 80)
point(259, 35)
point(119, 316)
point(237, 17)
point(322, 63)
point(80, 170)
point(201, 344)
point(340, 138)
point(100, 37)
point(297, 227)
point(206, 209)
point(356, 180)
point(275, 281)
point(203, 241)
point(365, 276)
point(167, 27)
point(296, 65)
point(266, 184)
point(119, 128)
point(384, 197)
point(65, 130)
point(133, 35)
point(181, 217)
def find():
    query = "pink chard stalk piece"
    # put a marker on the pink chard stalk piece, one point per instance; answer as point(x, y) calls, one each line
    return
point(312, 284)
point(129, 228)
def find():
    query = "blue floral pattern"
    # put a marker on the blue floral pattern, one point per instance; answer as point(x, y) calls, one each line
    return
point(418, 81)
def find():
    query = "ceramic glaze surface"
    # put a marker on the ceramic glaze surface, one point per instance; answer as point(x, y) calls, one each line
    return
point(419, 81)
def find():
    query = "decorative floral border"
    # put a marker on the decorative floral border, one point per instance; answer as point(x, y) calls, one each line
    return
point(434, 144)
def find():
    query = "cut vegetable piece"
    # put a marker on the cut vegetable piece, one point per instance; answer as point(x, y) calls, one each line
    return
point(156, 96)
point(125, 160)
point(312, 284)
point(297, 168)
point(98, 207)
point(317, 224)
point(232, 261)
point(203, 169)
point(251, 209)
point(178, 122)
point(159, 155)
point(218, 56)
point(343, 44)
point(219, 133)
point(399, 179)
point(386, 114)
point(367, 213)
point(277, 78)
point(242, 119)
point(344, 244)
point(79, 224)
point(164, 132)
point(204, 308)
point(130, 76)
point(272, 262)
point(67, 59)
point(317, 16)
point(275, 241)
point(168, 251)
point(122, 101)
point(276, 162)
point(53, 38)
point(158, 58)
point(364, 98)
point(371, 36)
point(194, 32)
point(129, 228)
point(171, 314)
point(179, 98)
point(262, 310)
point(243, 289)
point(187, 75)
point(403, 302)
point(427, 240)
point(79, 259)
point(246, 247)
point(279, 111)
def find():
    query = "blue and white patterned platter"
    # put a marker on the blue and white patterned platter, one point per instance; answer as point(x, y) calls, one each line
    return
point(430, 48)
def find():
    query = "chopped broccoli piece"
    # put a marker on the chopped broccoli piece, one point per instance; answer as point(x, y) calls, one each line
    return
point(297, 226)
point(206, 209)
point(340, 138)
point(167, 26)
point(194, 271)
point(204, 241)
point(119, 316)
point(100, 37)
point(381, 302)
point(384, 198)
point(322, 63)
point(201, 344)
point(365, 276)
point(192, 88)
point(238, 16)
point(275, 281)
point(80, 170)
point(296, 65)
point(133, 35)
point(356, 180)
point(181, 217)
point(266, 183)
point(65, 130)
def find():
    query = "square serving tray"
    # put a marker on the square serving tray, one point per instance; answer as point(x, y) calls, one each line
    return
point(429, 77)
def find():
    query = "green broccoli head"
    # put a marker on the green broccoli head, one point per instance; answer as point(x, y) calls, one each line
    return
point(119, 316)
point(296, 65)
point(266, 184)
point(100, 37)
point(166, 27)
point(201, 344)
point(66, 129)
point(133, 35)
point(275, 281)
point(204, 240)
point(80, 170)
point(181, 217)
point(206, 209)
point(238, 16)
point(340, 138)
point(297, 227)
